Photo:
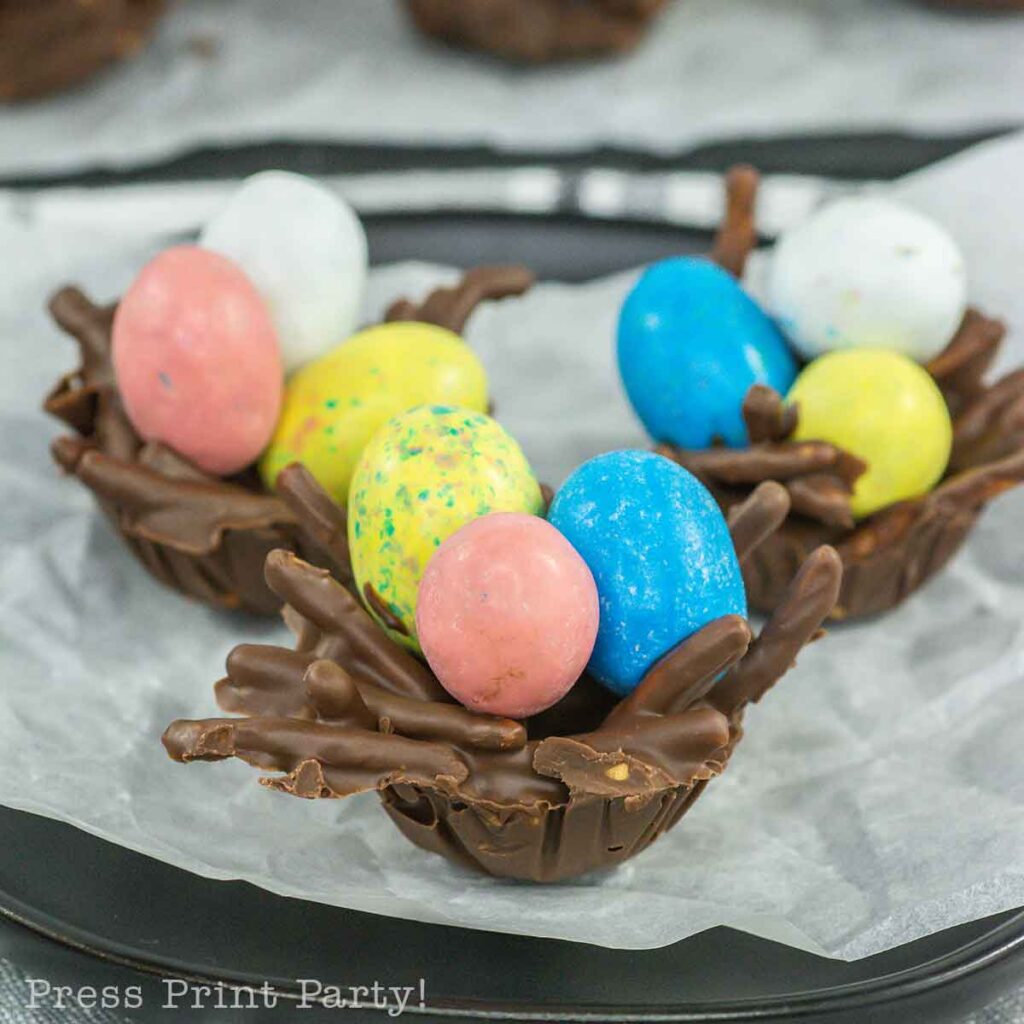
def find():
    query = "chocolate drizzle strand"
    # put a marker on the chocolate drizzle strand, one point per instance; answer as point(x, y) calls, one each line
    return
point(889, 555)
point(585, 785)
point(205, 536)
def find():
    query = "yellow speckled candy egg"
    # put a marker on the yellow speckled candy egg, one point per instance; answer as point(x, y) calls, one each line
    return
point(424, 474)
point(884, 408)
point(333, 405)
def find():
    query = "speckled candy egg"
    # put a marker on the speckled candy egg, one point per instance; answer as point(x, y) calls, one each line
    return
point(196, 359)
point(691, 343)
point(507, 614)
point(304, 249)
point(660, 552)
point(424, 474)
point(867, 272)
point(333, 406)
point(884, 408)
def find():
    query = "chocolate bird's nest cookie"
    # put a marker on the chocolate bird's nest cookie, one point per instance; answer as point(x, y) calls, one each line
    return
point(887, 556)
point(202, 535)
point(587, 784)
point(536, 31)
point(49, 45)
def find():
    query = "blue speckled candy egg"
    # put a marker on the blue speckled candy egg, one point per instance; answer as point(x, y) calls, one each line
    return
point(660, 552)
point(691, 343)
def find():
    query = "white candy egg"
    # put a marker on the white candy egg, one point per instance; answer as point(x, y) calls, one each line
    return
point(304, 249)
point(865, 272)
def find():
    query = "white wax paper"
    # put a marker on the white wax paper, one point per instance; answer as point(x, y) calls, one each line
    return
point(357, 72)
point(878, 796)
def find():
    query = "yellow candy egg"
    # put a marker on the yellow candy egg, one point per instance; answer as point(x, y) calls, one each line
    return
point(333, 405)
point(885, 409)
point(424, 474)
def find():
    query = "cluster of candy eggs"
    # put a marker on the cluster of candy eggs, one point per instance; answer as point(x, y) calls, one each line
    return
point(202, 338)
point(241, 350)
point(863, 292)
point(452, 551)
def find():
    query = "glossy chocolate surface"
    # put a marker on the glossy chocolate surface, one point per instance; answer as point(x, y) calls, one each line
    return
point(586, 784)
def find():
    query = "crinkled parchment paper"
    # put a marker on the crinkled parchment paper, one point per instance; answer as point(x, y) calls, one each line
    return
point(878, 796)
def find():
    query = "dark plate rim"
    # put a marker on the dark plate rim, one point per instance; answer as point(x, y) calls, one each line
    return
point(1004, 940)
point(854, 154)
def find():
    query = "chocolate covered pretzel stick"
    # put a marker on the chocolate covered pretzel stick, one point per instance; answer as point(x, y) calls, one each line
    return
point(323, 522)
point(332, 623)
point(754, 520)
point(191, 513)
point(87, 399)
point(766, 415)
point(991, 425)
point(687, 672)
point(781, 461)
point(50, 45)
point(807, 603)
point(737, 232)
point(959, 368)
point(319, 759)
point(452, 307)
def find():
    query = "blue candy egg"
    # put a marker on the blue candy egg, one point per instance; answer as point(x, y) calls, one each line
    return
point(691, 343)
point(660, 552)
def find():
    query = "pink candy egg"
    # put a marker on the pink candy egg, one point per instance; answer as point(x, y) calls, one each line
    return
point(196, 359)
point(507, 614)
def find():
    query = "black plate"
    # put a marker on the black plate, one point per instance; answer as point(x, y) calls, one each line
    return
point(139, 914)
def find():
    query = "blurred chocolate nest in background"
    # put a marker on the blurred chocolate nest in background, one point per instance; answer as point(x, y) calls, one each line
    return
point(49, 45)
point(204, 536)
point(888, 555)
point(536, 31)
point(584, 785)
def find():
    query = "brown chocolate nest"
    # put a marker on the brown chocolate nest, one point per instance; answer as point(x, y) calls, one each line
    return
point(584, 785)
point(49, 45)
point(536, 31)
point(887, 556)
point(204, 536)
